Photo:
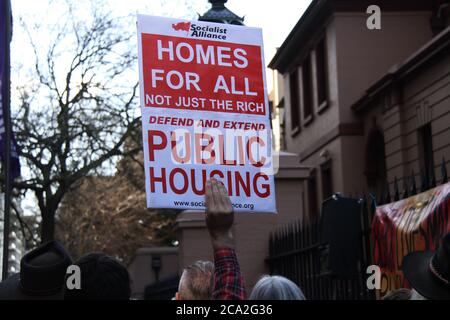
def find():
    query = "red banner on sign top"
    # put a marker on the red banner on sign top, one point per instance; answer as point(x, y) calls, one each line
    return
point(204, 75)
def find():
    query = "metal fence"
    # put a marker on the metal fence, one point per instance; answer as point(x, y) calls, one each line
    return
point(298, 252)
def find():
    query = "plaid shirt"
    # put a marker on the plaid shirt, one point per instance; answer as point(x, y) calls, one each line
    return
point(228, 281)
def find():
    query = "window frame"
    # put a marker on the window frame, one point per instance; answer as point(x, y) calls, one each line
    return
point(326, 166)
point(426, 156)
point(322, 74)
point(307, 89)
point(294, 95)
point(313, 207)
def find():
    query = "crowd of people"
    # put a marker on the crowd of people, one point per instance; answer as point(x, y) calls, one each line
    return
point(43, 271)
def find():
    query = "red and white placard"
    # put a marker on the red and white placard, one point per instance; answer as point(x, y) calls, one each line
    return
point(204, 113)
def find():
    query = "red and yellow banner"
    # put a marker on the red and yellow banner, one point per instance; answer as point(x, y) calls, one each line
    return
point(414, 224)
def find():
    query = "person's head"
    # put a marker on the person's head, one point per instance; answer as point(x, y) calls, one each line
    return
point(42, 274)
point(197, 282)
point(276, 288)
point(428, 272)
point(102, 278)
point(416, 296)
point(399, 294)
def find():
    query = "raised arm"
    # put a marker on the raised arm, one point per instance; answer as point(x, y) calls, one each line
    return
point(228, 281)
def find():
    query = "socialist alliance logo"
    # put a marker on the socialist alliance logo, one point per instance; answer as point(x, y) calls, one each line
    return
point(181, 26)
point(201, 31)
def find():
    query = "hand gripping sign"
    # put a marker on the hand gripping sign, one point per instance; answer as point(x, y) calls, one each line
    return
point(204, 114)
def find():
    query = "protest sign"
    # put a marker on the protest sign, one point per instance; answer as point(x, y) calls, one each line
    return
point(204, 113)
point(417, 223)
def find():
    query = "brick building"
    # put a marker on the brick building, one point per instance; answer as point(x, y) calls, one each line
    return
point(362, 107)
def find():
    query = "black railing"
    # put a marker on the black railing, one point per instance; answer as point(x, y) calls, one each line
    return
point(299, 253)
point(427, 178)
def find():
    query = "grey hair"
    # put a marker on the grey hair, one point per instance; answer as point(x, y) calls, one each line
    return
point(276, 288)
point(416, 296)
point(398, 294)
point(197, 281)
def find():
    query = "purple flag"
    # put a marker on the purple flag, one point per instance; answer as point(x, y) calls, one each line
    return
point(5, 38)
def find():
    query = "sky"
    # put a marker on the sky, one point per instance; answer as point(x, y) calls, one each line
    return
point(276, 18)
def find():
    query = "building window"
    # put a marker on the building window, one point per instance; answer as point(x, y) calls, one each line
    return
point(327, 180)
point(312, 195)
point(303, 203)
point(375, 161)
point(307, 90)
point(295, 106)
point(426, 147)
point(282, 113)
point(322, 74)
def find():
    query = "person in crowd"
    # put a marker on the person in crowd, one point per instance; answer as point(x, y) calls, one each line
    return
point(102, 278)
point(197, 282)
point(398, 294)
point(228, 280)
point(276, 288)
point(42, 275)
point(428, 272)
point(416, 296)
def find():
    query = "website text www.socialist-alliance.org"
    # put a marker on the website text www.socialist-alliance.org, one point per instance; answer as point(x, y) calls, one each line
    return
point(202, 205)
